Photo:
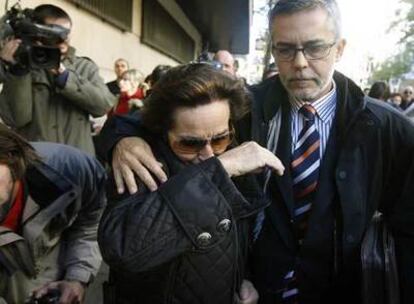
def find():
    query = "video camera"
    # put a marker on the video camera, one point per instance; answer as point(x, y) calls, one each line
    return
point(205, 58)
point(52, 297)
point(38, 48)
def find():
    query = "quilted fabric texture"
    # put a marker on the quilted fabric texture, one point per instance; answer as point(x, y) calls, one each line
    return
point(152, 243)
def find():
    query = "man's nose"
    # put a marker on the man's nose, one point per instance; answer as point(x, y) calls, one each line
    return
point(206, 152)
point(300, 62)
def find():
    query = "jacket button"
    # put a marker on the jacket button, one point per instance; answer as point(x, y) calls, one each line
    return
point(342, 174)
point(203, 239)
point(224, 225)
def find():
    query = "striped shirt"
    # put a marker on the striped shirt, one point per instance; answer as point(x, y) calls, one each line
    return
point(325, 113)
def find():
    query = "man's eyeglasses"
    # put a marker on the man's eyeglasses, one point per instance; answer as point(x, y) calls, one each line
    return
point(192, 145)
point(408, 92)
point(311, 52)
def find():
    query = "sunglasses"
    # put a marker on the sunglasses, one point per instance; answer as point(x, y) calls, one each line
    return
point(193, 145)
point(408, 92)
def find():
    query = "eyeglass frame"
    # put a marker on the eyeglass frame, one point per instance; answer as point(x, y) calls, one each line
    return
point(408, 92)
point(302, 49)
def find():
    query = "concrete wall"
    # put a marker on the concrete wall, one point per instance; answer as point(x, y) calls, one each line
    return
point(104, 43)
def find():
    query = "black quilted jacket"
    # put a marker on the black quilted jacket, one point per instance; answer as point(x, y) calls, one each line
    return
point(186, 242)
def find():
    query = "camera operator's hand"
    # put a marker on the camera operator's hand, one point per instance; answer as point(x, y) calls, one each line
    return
point(58, 71)
point(71, 292)
point(8, 50)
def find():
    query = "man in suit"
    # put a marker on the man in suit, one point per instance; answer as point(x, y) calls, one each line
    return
point(345, 155)
point(120, 67)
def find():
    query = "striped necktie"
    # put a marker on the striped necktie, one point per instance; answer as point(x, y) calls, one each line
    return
point(305, 168)
point(305, 173)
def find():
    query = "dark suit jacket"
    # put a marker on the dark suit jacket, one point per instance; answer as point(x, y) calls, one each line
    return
point(113, 87)
point(368, 165)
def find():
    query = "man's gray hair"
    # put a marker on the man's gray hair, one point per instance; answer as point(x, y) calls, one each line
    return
point(289, 7)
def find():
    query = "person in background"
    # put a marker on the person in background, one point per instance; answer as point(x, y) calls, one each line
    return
point(395, 100)
point(379, 90)
point(55, 105)
point(188, 241)
point(408, 102)
point(120, 67)
point(227, 60)
point(407, 97)
point(51, 199)
point(270, 71)
point(132, 92)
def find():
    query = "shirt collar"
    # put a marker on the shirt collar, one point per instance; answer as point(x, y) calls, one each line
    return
point(324, 106)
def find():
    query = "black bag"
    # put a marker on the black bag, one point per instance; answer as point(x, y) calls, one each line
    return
point(379, 266)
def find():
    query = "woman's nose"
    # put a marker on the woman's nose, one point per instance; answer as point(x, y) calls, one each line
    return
point(206, 152)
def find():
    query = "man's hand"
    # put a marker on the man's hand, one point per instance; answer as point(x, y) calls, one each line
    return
point(248, 294)
point(133, 155)
point(58, 71)
point(249, 157)
point(71, 292)
point(8, 50)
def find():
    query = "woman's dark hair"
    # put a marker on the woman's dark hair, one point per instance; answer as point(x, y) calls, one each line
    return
point(191, 86)
point(158, 72)
point(379, 90)
point(16, 153)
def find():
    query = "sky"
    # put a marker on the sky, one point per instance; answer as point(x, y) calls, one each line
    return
point(365, 25)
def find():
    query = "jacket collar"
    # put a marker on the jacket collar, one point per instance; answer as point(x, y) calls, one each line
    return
point(70, 57)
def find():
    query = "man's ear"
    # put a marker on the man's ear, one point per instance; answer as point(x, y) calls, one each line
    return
point(340, 47)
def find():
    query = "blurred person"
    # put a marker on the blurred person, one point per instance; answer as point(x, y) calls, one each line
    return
point(54, 105)
point(408, 102)
point(379, 90)
point(227, 60)
point(51, 200)
point(132, 92)
point(270, 71)
point(187, 242)
point(407, 97)
point(332, 139)
point(395, 100)
point(120, 67)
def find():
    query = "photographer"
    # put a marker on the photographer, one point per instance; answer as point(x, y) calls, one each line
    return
point(55, 104)
point(51, 200)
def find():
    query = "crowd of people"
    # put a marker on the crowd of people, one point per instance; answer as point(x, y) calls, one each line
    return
point(403, 101)
point(207, 190)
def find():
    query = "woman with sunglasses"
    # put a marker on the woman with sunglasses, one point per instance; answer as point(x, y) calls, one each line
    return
point(187, 242)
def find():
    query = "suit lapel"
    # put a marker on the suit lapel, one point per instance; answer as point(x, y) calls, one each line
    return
point(280, 187)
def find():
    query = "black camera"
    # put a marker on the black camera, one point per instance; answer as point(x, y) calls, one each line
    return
point(52, 297)
point(38, 48)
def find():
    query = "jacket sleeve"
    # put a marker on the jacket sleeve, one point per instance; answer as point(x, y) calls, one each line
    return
point(87, 90)
point(147, 230)
point(81, 258)
point(17, 92)
point(116, 128)
point(399, 204)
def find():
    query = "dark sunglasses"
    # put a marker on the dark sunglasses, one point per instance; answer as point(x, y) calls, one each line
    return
point(192, 145)
point(408, 92)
